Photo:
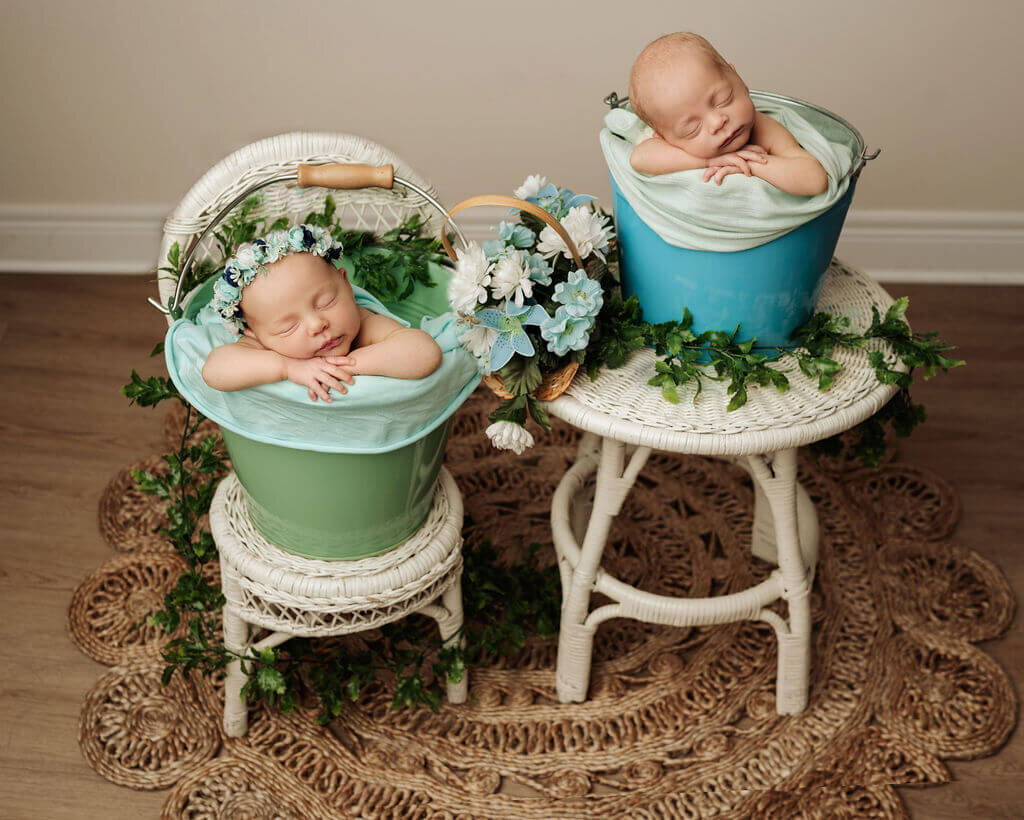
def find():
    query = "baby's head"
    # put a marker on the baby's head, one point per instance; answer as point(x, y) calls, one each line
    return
point(284, 291)
point(692, 98)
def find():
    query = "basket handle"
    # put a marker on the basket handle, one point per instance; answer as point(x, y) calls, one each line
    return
point(518, 204)
point(347, 177)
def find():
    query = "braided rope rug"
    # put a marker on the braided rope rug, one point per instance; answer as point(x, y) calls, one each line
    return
point(680, 722)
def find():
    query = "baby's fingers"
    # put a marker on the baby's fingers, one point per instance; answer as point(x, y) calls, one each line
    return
point(753, 156)
point(342, 360)
point(320, 391)
point(340, 373)
point(330, 383)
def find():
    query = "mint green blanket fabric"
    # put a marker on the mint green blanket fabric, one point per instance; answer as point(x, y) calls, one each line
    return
point(376, 415)
point(743, 212)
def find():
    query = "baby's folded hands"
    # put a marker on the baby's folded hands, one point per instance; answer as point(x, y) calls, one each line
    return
point(735, 162)
point(321, 375)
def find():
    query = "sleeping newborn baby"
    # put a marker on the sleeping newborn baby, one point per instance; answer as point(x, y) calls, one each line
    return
point(703, 117)
point(299, 321)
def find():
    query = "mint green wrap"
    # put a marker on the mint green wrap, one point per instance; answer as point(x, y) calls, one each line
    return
point(377, 414)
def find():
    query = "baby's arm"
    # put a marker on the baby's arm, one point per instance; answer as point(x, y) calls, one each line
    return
point(246, 363)
point(386, 348)
point(655, 156)
point(789, 167)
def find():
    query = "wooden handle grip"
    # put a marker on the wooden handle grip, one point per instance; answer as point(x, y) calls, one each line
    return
point(347, 176)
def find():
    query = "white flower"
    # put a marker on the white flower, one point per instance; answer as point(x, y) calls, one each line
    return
point(505, 435)
point(531, 185)
point(245, 256)
point(468, 285)
point(587, 230)
point(511, 278)
point(478, 339)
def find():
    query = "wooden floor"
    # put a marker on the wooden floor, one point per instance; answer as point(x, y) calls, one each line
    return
point(67, 344)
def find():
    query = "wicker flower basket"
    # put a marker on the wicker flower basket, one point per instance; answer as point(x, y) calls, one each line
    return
point(557, 382)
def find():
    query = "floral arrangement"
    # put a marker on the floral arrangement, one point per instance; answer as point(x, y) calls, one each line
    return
point(253, 257)
point(529, 311)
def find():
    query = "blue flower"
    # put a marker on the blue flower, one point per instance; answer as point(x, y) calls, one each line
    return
point(231, 274)
point(511, 337)
point(518, 236)
point(493, 249)
point(579, 295)
point(558, 201)
point(564, 332)
point(277, 245)
point(297, 239)
point(540, 270)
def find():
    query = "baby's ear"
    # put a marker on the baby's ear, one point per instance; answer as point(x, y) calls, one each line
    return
point(344, 273)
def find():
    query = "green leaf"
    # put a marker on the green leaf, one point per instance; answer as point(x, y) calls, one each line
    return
point(738, 399)
point(538, 413)
point(521, 375)
point(670, 393)
point(269, 679)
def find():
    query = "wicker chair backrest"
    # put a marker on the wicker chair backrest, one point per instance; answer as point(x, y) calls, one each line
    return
point(373, 209)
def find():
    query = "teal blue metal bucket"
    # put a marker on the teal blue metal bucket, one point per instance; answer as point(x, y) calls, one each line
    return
point(768, 291)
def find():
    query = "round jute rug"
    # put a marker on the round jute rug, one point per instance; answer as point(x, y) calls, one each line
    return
point(680, 722)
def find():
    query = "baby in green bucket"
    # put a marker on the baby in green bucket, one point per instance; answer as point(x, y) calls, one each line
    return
point(703, 117)
point(298, 320)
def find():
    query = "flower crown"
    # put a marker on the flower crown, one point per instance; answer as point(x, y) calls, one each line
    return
point(252, 258)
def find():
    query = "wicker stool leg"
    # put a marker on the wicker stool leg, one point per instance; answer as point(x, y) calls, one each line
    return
point(449, 623)
point(776, 476)
point(576, 635)
point(236, 639)
point(762, 539)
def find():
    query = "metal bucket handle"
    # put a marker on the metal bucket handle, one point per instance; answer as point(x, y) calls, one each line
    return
point(613, 100)
point(337, 176)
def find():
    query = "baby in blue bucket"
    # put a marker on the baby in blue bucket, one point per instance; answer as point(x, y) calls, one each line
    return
point(703, 117)
point(299, 321)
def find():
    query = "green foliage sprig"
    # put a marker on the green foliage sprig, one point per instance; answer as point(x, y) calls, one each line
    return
point(389, 265)
point(686, 358)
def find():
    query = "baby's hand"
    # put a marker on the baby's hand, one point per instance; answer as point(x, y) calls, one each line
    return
point(735, 162)
point(319, 376)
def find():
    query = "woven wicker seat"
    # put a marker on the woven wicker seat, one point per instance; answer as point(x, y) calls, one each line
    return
point(620, 411)
point(269, 588)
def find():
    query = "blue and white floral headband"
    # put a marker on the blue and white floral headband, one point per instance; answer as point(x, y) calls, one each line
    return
point(252, 258)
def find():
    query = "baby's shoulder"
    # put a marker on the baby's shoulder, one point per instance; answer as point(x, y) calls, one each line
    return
point(770, 133)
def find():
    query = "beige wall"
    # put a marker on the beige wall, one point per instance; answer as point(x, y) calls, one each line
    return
point(122, 103)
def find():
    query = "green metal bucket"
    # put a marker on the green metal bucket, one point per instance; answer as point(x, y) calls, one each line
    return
point(341, 506)
point(337, 506)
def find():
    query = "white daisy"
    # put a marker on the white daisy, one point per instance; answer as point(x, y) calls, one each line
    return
point(245, 256)
point(531, 185)
point(587, 230)
point(511, 278)
point(468, 285)
point(508, 436)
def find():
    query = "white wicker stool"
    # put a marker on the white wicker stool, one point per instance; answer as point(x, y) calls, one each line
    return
point(269, 588)
point(620, 409)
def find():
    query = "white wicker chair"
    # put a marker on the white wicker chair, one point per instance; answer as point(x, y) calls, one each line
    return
point(265, 586)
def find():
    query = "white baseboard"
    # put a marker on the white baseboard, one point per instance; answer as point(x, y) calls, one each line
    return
point(942, 247)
